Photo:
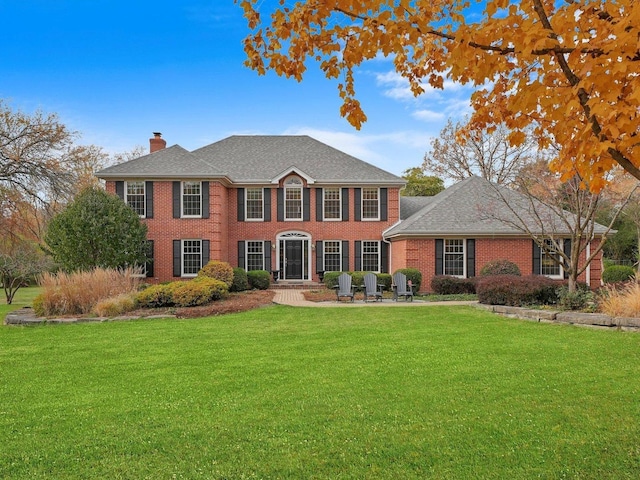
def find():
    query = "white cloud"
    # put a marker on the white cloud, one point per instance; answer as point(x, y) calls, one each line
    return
point(428, 115)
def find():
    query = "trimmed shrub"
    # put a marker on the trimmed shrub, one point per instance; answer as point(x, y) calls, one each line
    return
point(448, 285)
point(199, 291)
point(414, 275)
point(259, 279)
point(218, 289)
point(617, 273)
point(385, 279)
point(331, 279)
point(219, 270)
point(114, 306)
point(500, 267)
point(156, 296)
point(577, 300)
point(240, 281)
point(517, 291)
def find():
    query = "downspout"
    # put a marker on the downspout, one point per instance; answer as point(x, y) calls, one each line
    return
point(388, 242)
point(588, 254)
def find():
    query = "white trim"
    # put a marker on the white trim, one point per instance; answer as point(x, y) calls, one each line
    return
point(324, 255)
point(246, 201)
point(295, 235)
point(189, 275)
point(464, 257)
point(362, 217)
point(588, 254)
point(246, 253)
point(293, 187)
point(324, 216)
point(293, 171)
point(182, 215)
point(378, 270)
point(144, 195)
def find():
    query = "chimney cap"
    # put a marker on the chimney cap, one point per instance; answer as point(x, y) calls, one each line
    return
point(157, 134)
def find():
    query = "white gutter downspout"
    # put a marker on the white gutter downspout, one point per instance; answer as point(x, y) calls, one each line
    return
point(388, 242)
point(588, 253)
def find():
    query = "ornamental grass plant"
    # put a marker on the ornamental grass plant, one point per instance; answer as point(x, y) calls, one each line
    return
point(622, 301)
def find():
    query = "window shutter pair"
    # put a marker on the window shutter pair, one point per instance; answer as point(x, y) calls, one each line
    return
point(266, 204)
point(537, 257)
point(383, 202)
point(266, 252)
point(306, 204)
point(344, 196)
point(148, 192)
point(177, 213)
point(177, 256)
point(470, 258)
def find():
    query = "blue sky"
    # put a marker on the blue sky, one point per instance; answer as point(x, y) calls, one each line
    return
point(117, 71)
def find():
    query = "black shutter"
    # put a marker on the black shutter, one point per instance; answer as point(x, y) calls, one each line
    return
point(567, 251)
point(148, 190)
point(240, 204)
point(267, 204)
point(205, 199)
point(345, 255)
point(176, 200)
point(345, 204)
point(536, 258)
point(241, 263)
point(439, 256)
point(319, 212)
point(471, 257)
point(384, 257)
point(120, 189)
point(206, 252)
point(357, 204)
point(177, 257)
point(281, 204)
point(384, 194)
point(267, 256)
point(358, 259)
point(319, 256)
point(149, 253)
point(306, 204)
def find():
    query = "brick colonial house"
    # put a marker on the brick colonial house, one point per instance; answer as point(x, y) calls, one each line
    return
point(297, 207)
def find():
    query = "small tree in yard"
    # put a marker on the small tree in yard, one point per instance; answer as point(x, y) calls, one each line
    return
point(19, 267)
point(97, 229)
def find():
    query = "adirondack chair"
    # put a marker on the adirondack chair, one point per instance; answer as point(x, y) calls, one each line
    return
point(344, 287)
point(402, 287)
point(372, 288)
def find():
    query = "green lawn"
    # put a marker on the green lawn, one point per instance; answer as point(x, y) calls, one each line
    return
point(280, 392)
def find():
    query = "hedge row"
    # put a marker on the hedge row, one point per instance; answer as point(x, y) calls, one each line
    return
point(190, 293)
point(517, 291)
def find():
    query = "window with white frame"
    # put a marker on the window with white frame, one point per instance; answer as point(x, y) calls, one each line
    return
point(254, 203)
point(370, 204)
point(293, 199)
point(550, 260)
point(135, 197)
point(332, 204)
point(332, 250)
point(255, 255)
point(454, 257)
point(191, 257)
point(370, 256)
point(191, 199)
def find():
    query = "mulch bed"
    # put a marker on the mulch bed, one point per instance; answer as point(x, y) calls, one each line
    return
point(236, 302)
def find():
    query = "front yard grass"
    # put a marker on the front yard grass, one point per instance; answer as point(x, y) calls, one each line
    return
point(283, 392)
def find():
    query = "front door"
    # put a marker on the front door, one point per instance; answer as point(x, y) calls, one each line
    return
point(293, 260)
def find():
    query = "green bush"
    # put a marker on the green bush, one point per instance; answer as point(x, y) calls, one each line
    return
point(219, 270)
point(577, 300)
point(156, 296)
point(448, 285)
point(197, 292)
point(617, 273)
point(240, 281)
point(517, 291)
point(414, 275)
point(217, 289)
point(331, 279)
point(259, 279)
point(500, 267)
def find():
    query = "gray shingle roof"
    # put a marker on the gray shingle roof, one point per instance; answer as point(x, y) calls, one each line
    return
point(257, 159)
point(476, 206)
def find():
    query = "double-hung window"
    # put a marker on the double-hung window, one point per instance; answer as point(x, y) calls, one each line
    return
point(454, 257)
point(191, 257)
point(293, 199)
point(370, 256)
point(332, 250)
point(254, 204)
point(370, 203)
point(135, 197)
point(550, 260)
point(255, 255)
point(191, 199)
point(331, 204)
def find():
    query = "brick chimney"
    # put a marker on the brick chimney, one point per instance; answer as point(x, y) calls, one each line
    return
point(157, 142)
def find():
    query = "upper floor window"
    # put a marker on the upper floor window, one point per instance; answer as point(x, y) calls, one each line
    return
point(293, 199)
point(370, 204)
point(550, 260)
point(135, 197)
point(191, 199)
point(454, 257)
point(332, 250)
point(331, 204)
point(254, 204)
point(370, 256)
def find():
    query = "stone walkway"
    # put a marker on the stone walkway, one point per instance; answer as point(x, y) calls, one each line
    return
point(295, 298)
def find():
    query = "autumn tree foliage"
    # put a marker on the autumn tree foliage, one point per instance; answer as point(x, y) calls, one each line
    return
point(567, 69)
point(460, 152)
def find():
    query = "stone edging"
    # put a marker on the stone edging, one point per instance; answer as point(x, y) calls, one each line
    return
point(26, 316)
point(574, 318)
